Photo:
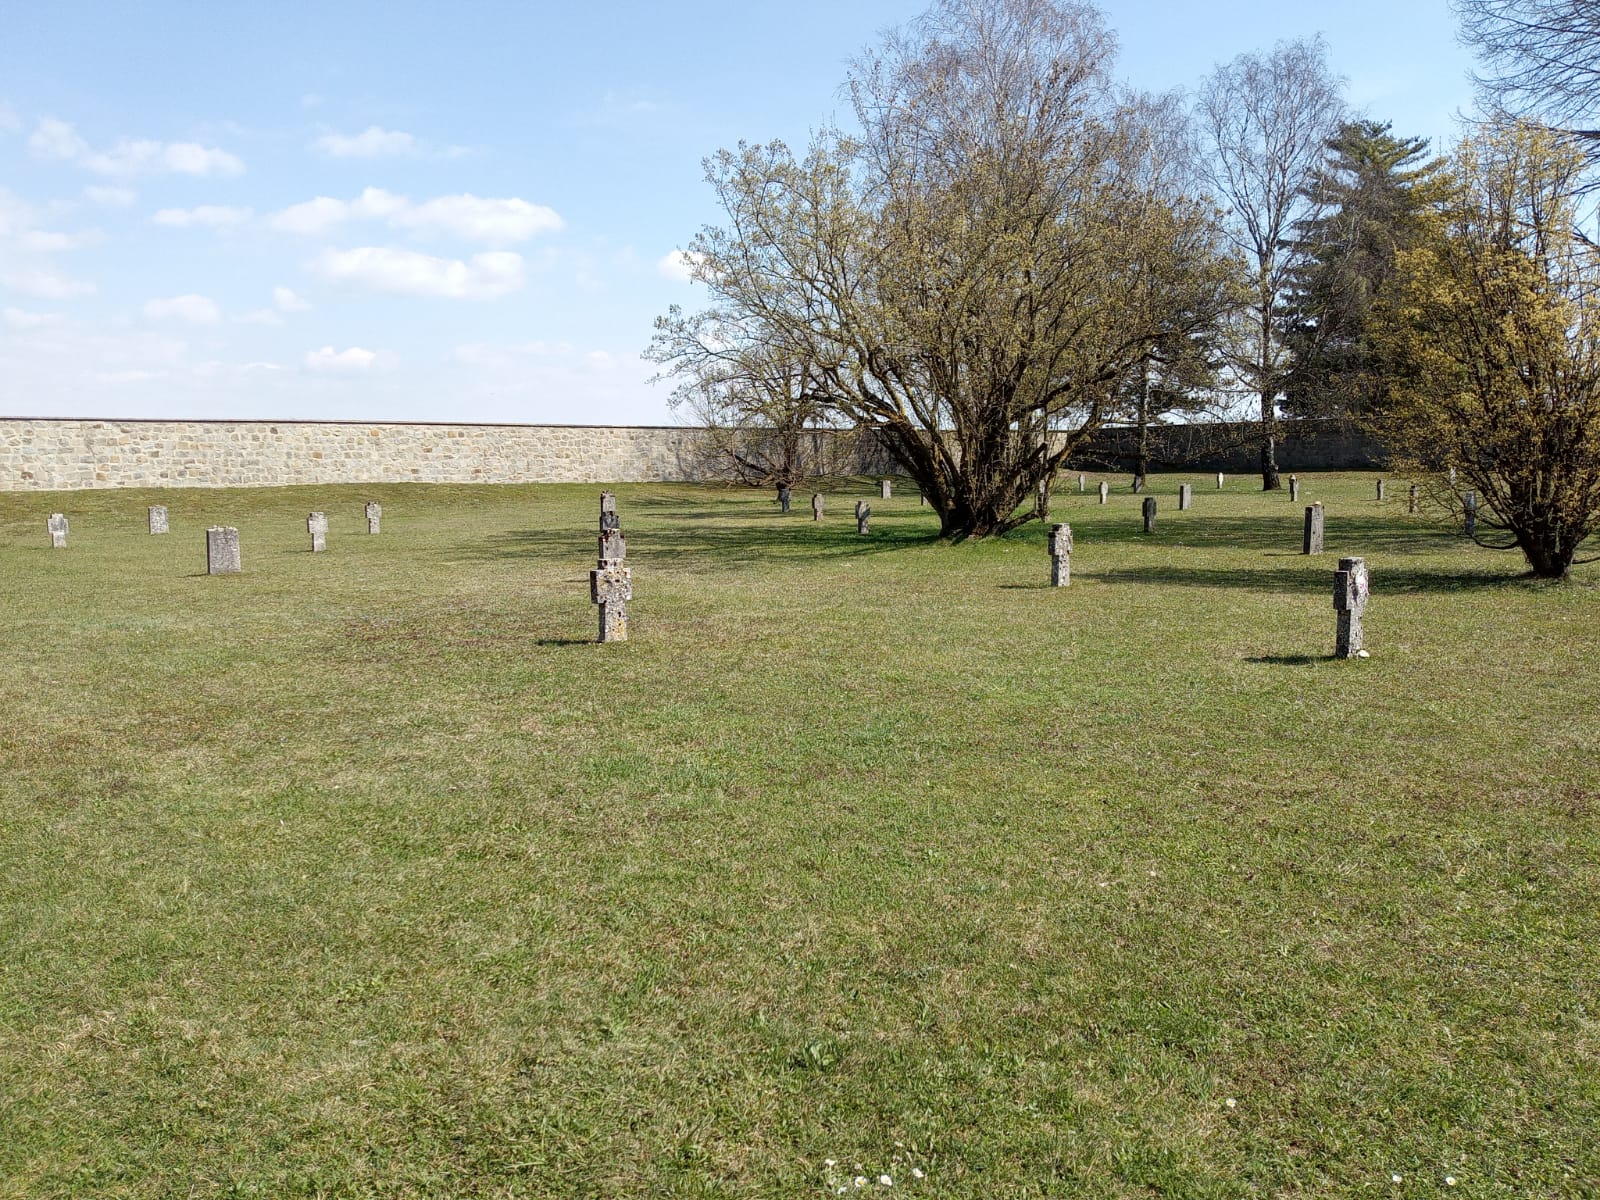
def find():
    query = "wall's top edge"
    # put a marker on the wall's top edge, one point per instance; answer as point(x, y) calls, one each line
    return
point(325, 421)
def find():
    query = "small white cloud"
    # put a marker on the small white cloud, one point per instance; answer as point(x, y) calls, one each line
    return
point(679, 265)
point(329, 359)
point(111, 197)
point(17, 318)
point(44, 284)
point(408, 273)
point(377, 203)
point(201, 310)
point(39, 241)
point(284, 300)
point(480, 219)
point(211, 216)
point(372, 142)
point(9, 121)
point(317, 216)
point(58, 140)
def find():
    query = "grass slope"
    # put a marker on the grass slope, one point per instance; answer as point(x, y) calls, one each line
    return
point(369, 874)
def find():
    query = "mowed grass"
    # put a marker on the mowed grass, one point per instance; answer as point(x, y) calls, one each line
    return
point(369, 874)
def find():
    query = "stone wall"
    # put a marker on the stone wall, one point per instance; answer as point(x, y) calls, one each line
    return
point(38, 454)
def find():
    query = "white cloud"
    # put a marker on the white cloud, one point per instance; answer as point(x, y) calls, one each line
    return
point(111, 197)
point(490, 220)
point(285, 300)
point(39, 241)
point(45, 284)
point(329, 359)
point(679, 265)
point(260, 316)
point(480, 219)
point(56, 139)
point(372, 142)
point(17, 318)
point(321, 214)
point(408, 273)
point(200, 310)
point(213, 216)
point(9, 121)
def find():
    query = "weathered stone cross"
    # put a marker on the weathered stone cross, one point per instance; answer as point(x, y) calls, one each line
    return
point(1350, 591)
point(1060, 555)
point(611, 581)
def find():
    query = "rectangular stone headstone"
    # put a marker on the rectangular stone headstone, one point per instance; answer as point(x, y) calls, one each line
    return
point(784, 497)
point(1219, 481)
point(1294, 489)
point(863, 515)
point(816, 506)
point(1411, 499)
point(1185, 497)
point(1351, 588)
point(57, 525)
point(1311, 541)
point(1060, 545)
point(1138, 484)
point(317, 527)
point(1080, 485)
point(1149, 514)
point(883, 489)
point(1469, 507)
point(157, 516)
point(1105, 491)
point(222, 550)
point(1380, 491)
point(374, 516)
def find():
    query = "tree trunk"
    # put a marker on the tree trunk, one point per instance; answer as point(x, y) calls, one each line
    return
point(1270, 480)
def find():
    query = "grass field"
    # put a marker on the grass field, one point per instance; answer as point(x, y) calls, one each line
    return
point(368, 874)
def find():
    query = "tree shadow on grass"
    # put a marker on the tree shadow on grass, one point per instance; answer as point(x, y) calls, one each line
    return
point(1314, 577)
point(1269, 534)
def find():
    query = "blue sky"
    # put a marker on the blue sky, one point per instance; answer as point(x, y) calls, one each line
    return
point(454, 212)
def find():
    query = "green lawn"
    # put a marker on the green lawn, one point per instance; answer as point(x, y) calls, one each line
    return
point(368, 874)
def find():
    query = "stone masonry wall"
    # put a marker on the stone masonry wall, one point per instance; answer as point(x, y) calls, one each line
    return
point(39, 454)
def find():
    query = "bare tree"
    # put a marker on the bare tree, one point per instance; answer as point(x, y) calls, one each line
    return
point(968, 276)
point(1266, 119)
point(1541, 59)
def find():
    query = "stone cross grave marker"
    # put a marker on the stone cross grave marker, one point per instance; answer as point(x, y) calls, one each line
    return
point(317, 527)
point(1060, 544)
point(157, 515)
point(1294, 489)
point(1311, 542)
point(863, 515)
point(1380, 491)
point(1185, 497)
point(1411, 499)
point(57, 525)
point(374, 516)
point(784, 496)
point(816, 506)
point(1350, 590)
point(222, 550)
point(1138, 484)
point(1469, 507)
point(884, 489)
point(611, 581)
point(1105, 491)
point(1149, 514)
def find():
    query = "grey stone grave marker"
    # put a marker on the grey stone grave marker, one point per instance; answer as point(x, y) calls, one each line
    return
point(1350, 591)
point(1219, 481)
point(222, 550)
point(157, 516)
point(1080, 485)
point(863, 515)
point(816, 506)
point(784, 496)
point(1380, 491)
point(1149, 514)
point(374, 516)
point(1469, 508)
point(1138, 484)
point(1311, 543)
point(1294, 489)
point(884, 489)
point(317, 527)
point(1105, 491)
point(1185, 497)
point(611, 581)
point(57, 525)
point(1060, 555)
point(1411, 499)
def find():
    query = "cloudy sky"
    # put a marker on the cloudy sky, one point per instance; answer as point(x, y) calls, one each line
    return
point(454, 212)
